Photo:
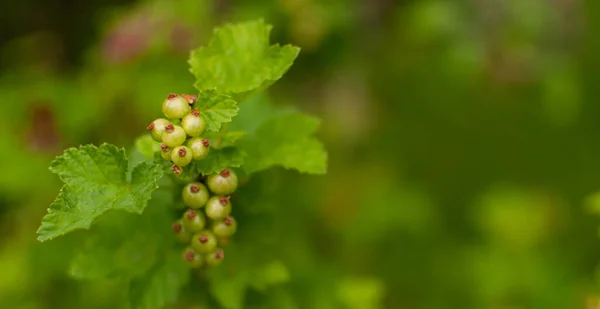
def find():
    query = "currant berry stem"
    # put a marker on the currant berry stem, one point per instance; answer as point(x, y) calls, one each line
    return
point(222, 133)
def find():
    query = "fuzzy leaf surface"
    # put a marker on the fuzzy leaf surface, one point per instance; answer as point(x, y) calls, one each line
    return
point(95, 182)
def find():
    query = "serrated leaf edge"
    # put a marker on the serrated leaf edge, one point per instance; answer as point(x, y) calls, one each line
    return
point(128, 187)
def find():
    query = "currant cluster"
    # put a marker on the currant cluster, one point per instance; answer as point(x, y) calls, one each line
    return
point(204, 233)
point(173, 134)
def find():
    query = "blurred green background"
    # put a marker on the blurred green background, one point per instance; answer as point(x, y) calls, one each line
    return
point(463, 139)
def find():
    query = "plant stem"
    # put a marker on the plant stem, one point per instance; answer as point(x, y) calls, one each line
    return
point(222, 132)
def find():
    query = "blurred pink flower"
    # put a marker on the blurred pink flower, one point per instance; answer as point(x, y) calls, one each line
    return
point(129, 38)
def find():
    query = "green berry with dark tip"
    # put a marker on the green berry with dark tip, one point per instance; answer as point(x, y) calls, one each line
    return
point(223, 183)
point(204, 242)
point(192, 259)
point(218, 207)
point(182, 234)
point(176, 170)
point(193, 124)
point(181, 156)
point(175, 106)
point(195, 195)
point(199, 146)
point(165, 152)
point(157, 128)
point(215, 258)
point(194, 221)
point(173, 136)
point(225, 227)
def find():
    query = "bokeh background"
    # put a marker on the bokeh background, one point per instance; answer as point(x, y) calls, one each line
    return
point(463, 139)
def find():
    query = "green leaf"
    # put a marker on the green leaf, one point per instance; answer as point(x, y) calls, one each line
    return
point(107, 255)
point(215, 109)
point(147, 146)
point(286, 141)
point(255, 111)
point(228, 139)
point(219, 159)
point(162, 284)
point(126, 245)
point(238, 58)
point(95, 182)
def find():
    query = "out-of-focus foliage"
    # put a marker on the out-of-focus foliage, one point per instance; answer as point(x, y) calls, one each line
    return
point(461, 138)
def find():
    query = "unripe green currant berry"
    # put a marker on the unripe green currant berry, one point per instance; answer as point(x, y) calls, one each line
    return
point(223, 183)
point(199, 147)
point(181, 156)
point(165, 152)
point(182, 234)
point(176, 170)
point(173, 136)
point(175, 106)
point(157, 128)
point(225, 227)
point(204, 242)
point(195, 195)
point(215, 258)
point(193, 259)
point(193, 221)
point(218, 207)
point(193, 124)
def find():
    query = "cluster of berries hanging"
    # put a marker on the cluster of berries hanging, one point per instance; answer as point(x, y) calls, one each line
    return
point(173, 136)
point(204, 233)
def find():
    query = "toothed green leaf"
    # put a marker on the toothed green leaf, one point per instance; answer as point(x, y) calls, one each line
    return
point(95, 182)
point(239, 58)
